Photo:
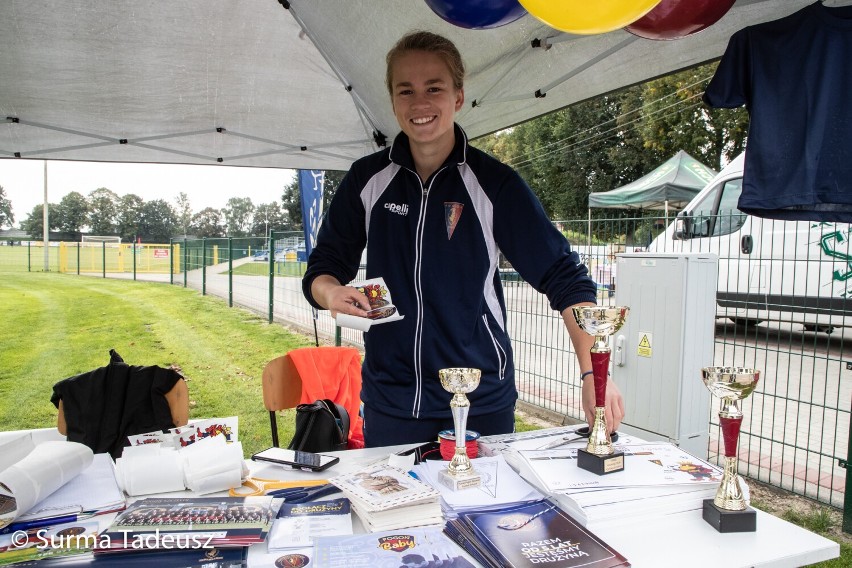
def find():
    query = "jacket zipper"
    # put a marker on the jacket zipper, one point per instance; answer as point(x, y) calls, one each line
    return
point(418, 292)
point(501, 355)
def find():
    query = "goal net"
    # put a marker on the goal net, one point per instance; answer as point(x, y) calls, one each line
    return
point(92, 240)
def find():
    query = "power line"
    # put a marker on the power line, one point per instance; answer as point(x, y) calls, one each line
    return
point(561, 143)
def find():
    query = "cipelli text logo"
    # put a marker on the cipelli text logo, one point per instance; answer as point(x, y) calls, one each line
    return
point(398, 209)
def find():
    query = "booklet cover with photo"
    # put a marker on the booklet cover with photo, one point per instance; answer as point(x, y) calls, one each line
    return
point(194, 522)
point(528, 534)
point(381, 308)
point(380, 487)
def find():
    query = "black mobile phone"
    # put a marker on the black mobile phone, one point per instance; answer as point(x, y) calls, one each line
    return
point(296, 459)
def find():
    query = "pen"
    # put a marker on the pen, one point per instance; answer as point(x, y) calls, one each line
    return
point(38, 523)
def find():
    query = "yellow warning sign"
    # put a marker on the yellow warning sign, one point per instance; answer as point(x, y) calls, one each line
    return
point(644, 344)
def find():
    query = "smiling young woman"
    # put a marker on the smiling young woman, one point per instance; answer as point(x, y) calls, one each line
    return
point(437, 212)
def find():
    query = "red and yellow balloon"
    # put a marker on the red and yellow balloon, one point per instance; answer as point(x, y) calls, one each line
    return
point(588, 16)
point(674, 19)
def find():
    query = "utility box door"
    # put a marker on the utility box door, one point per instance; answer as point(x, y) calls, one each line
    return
point(668, 337)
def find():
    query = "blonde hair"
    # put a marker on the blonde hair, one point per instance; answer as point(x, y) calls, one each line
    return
point(433, 43)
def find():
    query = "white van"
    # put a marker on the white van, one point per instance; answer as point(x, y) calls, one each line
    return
point(769, 270)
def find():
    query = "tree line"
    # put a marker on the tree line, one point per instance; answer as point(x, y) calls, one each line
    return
point(103, 212)
point(607, 142)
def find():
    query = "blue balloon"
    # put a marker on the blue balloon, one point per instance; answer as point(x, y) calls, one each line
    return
point(478, 14)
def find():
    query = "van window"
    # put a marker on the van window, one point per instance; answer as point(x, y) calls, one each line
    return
point(717, 214)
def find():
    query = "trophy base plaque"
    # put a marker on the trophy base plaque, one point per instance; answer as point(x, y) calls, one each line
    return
point(459, 482)
point(600, 465)
point(726, 521)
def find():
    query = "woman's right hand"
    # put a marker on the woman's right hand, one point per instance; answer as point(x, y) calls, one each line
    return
point(339, 299)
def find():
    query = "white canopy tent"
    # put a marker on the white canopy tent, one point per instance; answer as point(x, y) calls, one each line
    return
point(255, 83)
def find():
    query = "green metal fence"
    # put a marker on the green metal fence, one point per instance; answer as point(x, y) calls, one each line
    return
point(796, 433)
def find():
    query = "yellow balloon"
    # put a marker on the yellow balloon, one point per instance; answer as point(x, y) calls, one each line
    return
point(588, 16)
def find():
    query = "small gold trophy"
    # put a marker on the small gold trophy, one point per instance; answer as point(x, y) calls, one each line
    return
point(460, 381)
point(599, 456)
point(727, 511)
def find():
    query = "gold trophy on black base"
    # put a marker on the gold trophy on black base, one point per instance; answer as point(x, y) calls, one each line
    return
point(599, 456)
point(727, 511)
point(460, 381)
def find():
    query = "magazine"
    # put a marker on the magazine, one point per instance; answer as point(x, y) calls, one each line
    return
point(380, 487)
point(531, 533)
point(298, 524)
point(385, 498)
point(154, 523)
point(400, 548)
point(381, 309)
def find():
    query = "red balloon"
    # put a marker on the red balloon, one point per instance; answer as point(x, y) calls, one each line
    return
point(674, 19)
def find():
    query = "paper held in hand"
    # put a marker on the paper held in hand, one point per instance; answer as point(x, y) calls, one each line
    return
point(381, 309)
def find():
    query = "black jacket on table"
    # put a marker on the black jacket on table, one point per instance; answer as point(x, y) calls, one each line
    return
point(436, 244)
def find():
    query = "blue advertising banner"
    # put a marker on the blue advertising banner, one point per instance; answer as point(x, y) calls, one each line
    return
point(310, 188)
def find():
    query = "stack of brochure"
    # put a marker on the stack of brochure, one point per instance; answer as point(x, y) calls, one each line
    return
point(529, 534)
point(386, 498)
point(501, 485)
point(658, 479)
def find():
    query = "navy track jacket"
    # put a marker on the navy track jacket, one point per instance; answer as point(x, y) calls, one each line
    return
point(437, 245)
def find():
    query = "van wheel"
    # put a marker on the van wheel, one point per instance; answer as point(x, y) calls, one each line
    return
point(745, 322)
point(827, 329)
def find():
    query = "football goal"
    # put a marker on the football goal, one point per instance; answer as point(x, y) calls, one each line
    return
point(92, 240)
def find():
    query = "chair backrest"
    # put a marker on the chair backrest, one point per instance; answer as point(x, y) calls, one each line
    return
point(178, 399)
point(314, 373)
point(102, 407)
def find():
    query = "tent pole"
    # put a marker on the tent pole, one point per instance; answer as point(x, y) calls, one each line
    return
point(667, 212)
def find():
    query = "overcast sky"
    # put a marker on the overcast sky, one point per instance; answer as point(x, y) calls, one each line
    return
point(206, 186)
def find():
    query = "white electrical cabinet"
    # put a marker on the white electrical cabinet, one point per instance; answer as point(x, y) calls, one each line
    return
point(668, 337)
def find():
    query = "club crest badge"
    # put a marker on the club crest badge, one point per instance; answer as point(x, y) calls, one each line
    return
point(452, 213)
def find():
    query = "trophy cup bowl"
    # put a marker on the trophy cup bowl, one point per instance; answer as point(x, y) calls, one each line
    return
point(460, 381)
point(600, 322)
point(728, 511)
point(599, 456)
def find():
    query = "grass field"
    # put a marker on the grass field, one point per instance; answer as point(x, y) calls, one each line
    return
point(56, 326)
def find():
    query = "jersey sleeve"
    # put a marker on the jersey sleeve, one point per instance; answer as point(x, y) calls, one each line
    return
point(536, 249)
point(731, 84)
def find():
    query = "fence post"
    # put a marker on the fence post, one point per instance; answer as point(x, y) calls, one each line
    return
point(847, 496)
point(171, 261)
point(29, 257)
point(204, 266)
point(134, 257)
point(230, 273)
point(185, 261)
point(78, 258)
point(103, 258)
point(271, 249)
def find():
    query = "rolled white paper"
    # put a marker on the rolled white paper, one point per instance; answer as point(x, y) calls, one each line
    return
point(49, 466)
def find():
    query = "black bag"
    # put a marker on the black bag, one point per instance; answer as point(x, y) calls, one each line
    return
point(321, 426)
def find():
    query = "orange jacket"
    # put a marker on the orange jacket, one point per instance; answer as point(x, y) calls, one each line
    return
point(333, 373)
